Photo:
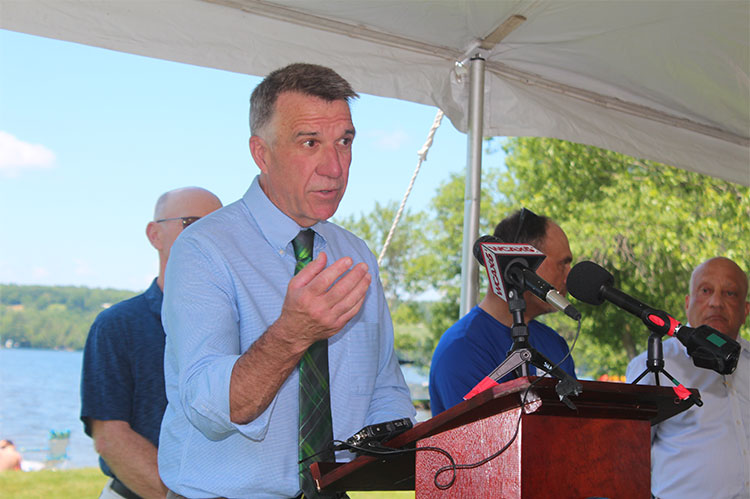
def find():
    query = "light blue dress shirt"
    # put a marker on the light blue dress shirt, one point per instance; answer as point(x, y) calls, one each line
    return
point(225, 285)
point(703, 452)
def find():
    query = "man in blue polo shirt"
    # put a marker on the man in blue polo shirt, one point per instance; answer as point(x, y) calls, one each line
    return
point(475, 345)
point(122, 383)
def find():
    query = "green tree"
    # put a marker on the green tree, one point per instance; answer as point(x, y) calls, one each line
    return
point(440, 268)
point(647, 223)
point(406, 245)
point(52, 316)
point(396, 273)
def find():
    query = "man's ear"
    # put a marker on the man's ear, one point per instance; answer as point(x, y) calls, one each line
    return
point(153, 232)
point(259, 151)
point(687, 302)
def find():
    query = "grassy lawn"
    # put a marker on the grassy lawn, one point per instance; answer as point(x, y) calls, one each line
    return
point(64, 484)
point(88, 482)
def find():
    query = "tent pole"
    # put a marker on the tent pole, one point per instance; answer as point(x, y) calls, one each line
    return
point(469, 275)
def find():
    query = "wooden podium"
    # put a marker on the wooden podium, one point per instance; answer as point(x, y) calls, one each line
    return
point(600, 449)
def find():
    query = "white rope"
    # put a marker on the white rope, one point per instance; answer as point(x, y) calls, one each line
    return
point(422, 154)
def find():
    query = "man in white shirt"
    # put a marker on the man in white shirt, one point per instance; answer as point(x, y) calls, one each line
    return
point(705, 451)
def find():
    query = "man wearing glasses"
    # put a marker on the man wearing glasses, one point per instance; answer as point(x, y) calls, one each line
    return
point(475, 345)
point(122, 382)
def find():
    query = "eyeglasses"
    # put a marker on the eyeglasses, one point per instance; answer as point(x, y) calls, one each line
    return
point(185, 220)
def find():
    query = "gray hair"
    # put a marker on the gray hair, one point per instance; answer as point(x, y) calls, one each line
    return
point(308, 79)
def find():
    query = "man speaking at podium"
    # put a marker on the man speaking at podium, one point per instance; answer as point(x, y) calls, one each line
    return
point(475, 345)
point(278, 333)
point(705, 451)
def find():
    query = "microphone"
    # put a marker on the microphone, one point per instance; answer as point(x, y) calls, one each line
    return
point(514, 264)
point(708, 348)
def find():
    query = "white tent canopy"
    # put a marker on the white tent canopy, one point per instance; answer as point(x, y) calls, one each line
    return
point(660, 79)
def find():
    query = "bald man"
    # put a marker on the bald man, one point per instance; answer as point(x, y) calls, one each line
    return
point(705, 451)
point(122, 382)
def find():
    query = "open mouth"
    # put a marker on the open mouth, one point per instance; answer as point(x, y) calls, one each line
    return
point(327, 192)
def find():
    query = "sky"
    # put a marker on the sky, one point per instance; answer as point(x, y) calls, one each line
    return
point(89, 139)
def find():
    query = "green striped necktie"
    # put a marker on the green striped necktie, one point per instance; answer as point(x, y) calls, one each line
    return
point(315, 426)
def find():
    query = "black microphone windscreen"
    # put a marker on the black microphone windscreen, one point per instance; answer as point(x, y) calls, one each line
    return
point(585, 281)
point(478, 247)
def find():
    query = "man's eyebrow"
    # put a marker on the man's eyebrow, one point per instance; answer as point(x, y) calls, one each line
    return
point(349, 131)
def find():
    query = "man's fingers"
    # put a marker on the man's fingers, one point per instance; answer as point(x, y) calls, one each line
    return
point(309, 272)
point(323, 299)
point(350, 306)
point(351, 286)
point(340, 270)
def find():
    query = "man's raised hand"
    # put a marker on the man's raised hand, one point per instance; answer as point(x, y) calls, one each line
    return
point(320, 301)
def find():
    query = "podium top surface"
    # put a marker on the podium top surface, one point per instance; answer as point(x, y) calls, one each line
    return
point(599, 399)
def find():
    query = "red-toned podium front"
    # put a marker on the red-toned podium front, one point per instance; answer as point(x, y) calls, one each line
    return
point(600, 449)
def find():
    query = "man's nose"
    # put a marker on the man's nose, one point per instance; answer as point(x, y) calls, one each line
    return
point(715, 300)
point(332, 163)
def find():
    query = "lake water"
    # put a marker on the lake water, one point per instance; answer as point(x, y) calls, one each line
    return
point(40, 391)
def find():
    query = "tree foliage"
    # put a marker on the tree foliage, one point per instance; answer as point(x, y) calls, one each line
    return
point(52, 316)
point(406, 246)
point(397, 273)
point(440, 269)
point(647, 223)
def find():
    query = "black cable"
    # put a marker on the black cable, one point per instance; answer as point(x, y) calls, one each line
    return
point(486, 460)
point(455, 467)
point(570, 351)
point(375, 448)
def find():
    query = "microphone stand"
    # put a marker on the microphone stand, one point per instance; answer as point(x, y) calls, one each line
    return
point(521, 353)
point(655, 364)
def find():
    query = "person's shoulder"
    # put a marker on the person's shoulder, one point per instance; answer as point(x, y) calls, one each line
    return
point(131, 305)
point(222, 221)
point(541, 329)
point(478, 318)
point(328, 228)
point(635, 366)
point(132, 308)
point(475, 322)
point(541, 326)
point(673, 348)
point(639, 360)
point(228, 227)
point(344, 237)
